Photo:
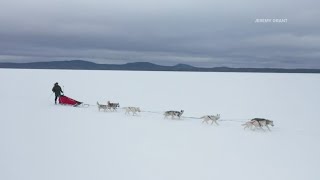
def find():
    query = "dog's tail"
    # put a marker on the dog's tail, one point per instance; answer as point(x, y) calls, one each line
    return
point(98, 103)
point(247, 123)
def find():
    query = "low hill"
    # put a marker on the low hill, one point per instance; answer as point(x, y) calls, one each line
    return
point(142, 66)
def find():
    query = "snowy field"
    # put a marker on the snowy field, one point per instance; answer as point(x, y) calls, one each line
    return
point(43, 141)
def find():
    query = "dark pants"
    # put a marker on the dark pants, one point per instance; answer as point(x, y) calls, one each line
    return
point(55, 99)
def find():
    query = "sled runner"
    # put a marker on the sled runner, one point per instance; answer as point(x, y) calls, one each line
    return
point(64, 100)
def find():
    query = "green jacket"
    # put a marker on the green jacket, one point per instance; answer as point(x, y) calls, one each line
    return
point(57, 90)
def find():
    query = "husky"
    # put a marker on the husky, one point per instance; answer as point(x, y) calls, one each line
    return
point(173, 114)
point(256, 123)
point(263, 122)
point(113, 106)
point(212, 118)
point(102, 106)
point(134, 110)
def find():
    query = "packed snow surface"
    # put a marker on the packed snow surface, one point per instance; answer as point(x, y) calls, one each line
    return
point(43, 141)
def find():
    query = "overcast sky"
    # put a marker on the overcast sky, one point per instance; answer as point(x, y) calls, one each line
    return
point(204, 33)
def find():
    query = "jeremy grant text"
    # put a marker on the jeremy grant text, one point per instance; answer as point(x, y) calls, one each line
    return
point(267, 20)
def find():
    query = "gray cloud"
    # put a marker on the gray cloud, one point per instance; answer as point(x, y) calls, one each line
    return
point(200, 33)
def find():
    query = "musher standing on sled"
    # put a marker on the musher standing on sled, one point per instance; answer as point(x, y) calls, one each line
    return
point(57, 91)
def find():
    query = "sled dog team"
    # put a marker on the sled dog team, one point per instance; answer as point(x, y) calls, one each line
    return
point(253, 124)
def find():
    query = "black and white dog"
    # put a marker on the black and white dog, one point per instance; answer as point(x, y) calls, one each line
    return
point(256, 123)
point(173, 114)
point(113, 106)
point(263, 122)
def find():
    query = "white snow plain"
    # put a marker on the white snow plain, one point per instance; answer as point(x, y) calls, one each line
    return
point(43, 141)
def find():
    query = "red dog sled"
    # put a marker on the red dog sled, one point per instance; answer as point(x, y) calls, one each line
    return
point(64, 100)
